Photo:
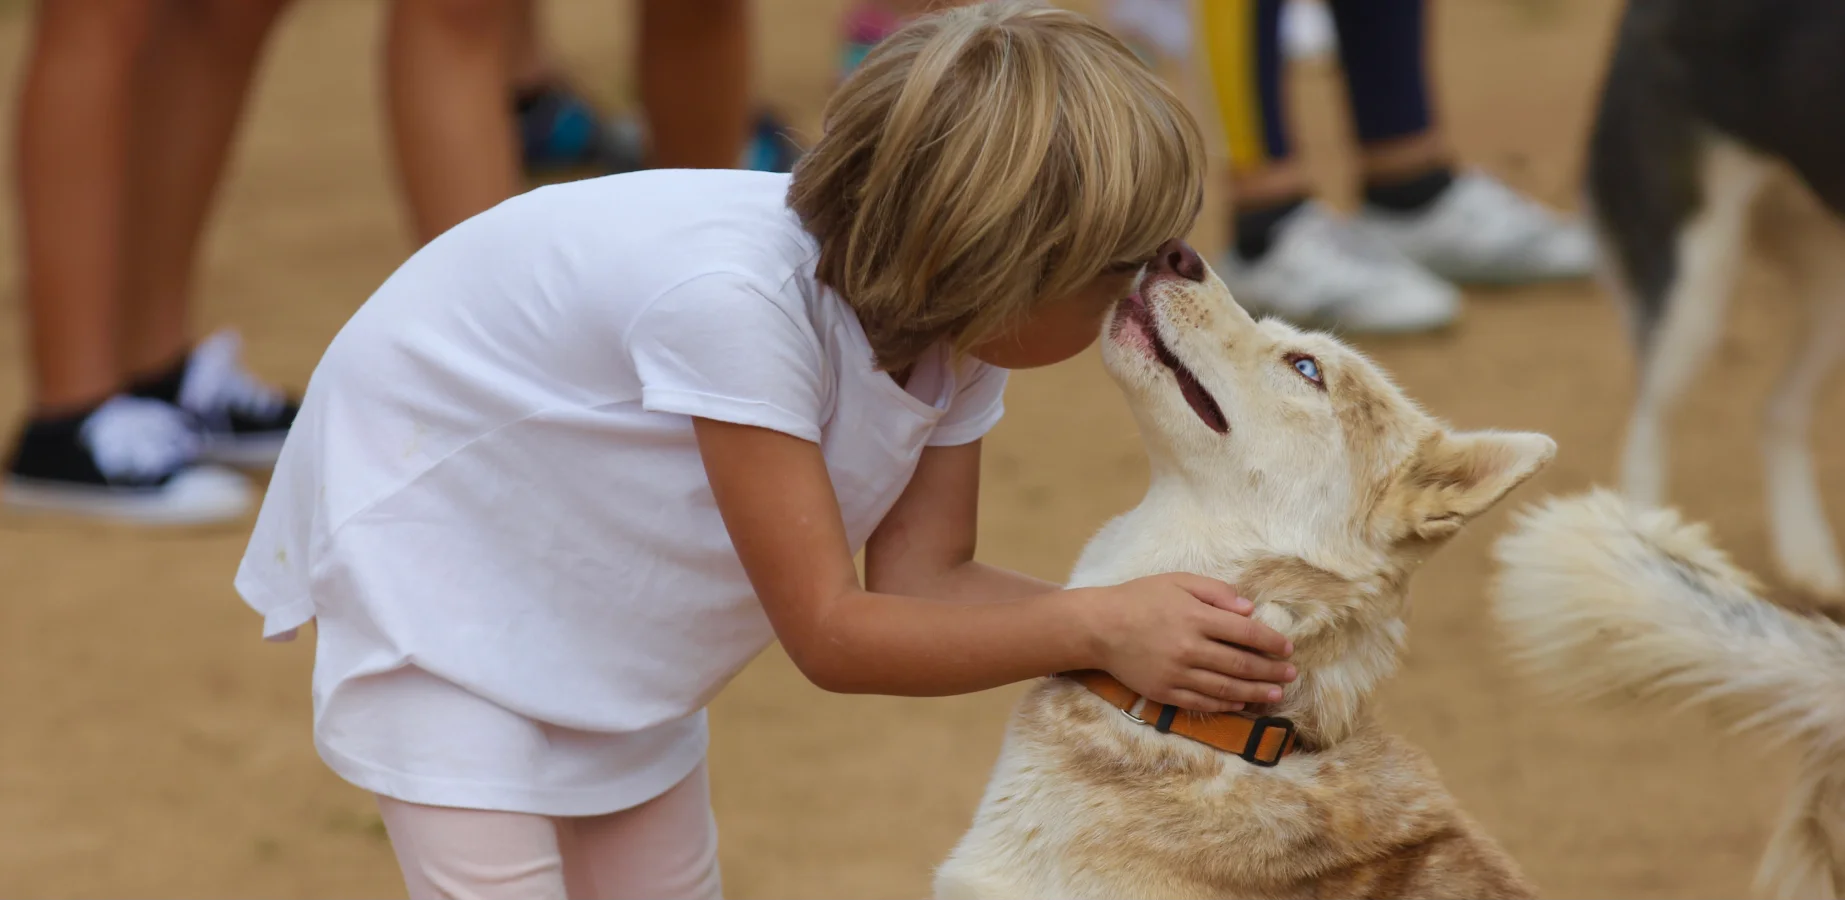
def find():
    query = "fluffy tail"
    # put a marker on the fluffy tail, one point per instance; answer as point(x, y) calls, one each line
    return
point(1601, 599)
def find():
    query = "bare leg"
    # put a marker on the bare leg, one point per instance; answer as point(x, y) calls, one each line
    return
point(446, 72)
point(1405, 157)
point(695, 81)
point(197, 74)
point(527, 61)
point(1280, 181)
point(73, 133)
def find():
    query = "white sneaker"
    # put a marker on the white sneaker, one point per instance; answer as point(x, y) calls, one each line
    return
point(1320, 272)
point(1479, 230)
point(132, 459)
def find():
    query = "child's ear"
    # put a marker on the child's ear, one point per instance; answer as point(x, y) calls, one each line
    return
point(1457, 476)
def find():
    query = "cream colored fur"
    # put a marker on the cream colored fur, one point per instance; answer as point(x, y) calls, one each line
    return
point(1319, 501)
point(1604, 599)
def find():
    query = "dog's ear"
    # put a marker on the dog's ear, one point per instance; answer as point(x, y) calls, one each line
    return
point(1457, 476)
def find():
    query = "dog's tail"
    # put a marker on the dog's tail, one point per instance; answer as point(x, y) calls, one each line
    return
point(1601, 599)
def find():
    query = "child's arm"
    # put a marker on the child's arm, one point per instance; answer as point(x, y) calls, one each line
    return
point(925, 545)
point(1166, 636)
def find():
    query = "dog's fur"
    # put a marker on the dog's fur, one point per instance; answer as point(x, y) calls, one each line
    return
point(1709, 133)
point(1604, 599)
point(1709, 105)
point(1318, 503)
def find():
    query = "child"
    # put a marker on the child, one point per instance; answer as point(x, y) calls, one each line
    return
point(585, 455)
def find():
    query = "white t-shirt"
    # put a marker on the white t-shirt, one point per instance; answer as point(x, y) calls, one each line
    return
point(494, 505)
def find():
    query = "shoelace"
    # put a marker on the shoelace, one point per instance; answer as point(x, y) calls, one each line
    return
point(136, 437)
point(216, 381)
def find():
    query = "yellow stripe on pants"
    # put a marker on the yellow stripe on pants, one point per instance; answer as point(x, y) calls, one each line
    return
point(1227, 29)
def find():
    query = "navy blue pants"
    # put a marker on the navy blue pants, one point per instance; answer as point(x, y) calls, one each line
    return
point(1382, 49)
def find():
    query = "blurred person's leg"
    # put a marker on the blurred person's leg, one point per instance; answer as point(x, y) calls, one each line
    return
point(73, 132)
point(1290, 255)
point(1464, 226)
point(1243, 47)
point(447, 71)
point(196, 72)
point(528, 62)
point(86, 448)
point(1404, 159)
point(1383, 51)
point(695, 81)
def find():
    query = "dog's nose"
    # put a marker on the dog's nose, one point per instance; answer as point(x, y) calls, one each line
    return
point(1177, 257)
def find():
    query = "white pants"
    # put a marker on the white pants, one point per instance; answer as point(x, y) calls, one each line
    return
point(664, 848)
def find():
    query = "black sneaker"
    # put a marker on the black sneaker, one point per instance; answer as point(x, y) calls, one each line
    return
point(131, 459)
point(240, 421)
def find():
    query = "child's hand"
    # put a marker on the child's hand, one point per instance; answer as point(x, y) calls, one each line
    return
point(1171, 639)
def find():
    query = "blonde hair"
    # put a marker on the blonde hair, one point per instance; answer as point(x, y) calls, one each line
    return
point(984, 158)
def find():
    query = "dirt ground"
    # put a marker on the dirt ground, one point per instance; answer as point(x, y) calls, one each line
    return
point(151, 745)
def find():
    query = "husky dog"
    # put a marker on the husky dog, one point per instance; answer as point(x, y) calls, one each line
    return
point(1710, 105)
point(1288, 464)
point(1603, 599)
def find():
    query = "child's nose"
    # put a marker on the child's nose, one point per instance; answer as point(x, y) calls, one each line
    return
point(1177, 257)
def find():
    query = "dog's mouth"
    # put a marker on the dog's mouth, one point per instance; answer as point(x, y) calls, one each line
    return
point(1133, 325)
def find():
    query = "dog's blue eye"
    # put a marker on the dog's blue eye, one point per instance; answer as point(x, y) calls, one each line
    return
point(1308, 367)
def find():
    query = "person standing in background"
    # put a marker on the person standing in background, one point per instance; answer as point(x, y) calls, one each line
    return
point(125, 118)
point(1424, 224)
point(125, 122)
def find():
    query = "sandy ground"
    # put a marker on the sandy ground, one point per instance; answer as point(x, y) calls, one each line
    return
point(151, 745)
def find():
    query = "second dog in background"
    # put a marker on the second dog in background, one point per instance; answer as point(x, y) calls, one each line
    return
point(1708, 135)
point(1709, 106)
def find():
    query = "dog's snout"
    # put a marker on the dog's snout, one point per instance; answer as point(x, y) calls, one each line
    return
point(1177, 257)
